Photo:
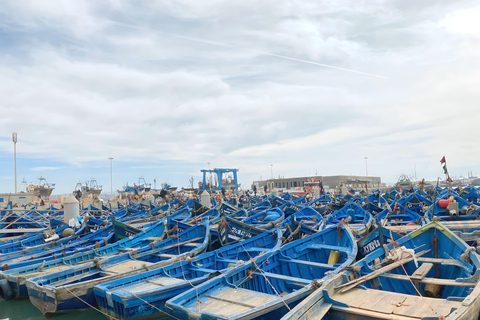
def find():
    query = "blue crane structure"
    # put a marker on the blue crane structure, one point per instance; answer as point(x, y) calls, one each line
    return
point(219, 172)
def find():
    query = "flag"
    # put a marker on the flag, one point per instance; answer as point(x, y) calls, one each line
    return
point(442, 161)
point(445, 171)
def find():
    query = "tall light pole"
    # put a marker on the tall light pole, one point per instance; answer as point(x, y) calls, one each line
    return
point(271, 170)
point(366, 172)
point(111, 177)
point(14, 139)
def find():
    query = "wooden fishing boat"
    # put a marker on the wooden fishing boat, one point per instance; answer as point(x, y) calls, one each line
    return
point(144, 295)
point(230, 231)
point(359, 220)
point(52, 249)
point(16, 274)
point(446, 209)
point(415, 202)
point(266, 287)
point(375, 239)
point(308, 215)
point(72, 289)
point(428, 274)
point(398, 214)
point(266, 219)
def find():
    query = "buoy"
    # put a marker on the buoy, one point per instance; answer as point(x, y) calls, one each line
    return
point(443, 203)
point(68, 232)
point(333, 257)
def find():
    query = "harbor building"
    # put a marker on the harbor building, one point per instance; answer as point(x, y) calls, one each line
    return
point(329, 182)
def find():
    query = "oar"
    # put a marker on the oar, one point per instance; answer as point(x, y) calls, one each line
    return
point(352, 284)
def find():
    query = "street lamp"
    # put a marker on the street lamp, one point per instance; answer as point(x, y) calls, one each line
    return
point(14, 139)
point(366, 172)
point(271, 170)
point(111, 178)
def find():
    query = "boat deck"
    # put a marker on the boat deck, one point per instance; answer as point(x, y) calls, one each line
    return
point(150, 284)
point(232, 301)
point(383, 304)
point(127, 266)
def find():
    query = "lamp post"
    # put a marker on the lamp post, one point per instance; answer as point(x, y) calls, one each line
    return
point(14, 139)
point(111, 177)
point(271, 170)
point(366, 172)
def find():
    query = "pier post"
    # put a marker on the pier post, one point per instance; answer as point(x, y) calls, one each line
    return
point(71, 209)
point(205, 199)
point(316, 193)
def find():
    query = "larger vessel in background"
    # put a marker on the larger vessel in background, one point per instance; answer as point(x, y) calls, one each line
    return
point(90, 189)
point(42, 188)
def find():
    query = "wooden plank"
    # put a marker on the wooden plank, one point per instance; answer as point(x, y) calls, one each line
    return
point(369, 314)
point(381, 304)
point(167, 255)
point(127, 266)
point(27, 230)
point(309, 263)
point(351, 284)
point(422, 271)
point(191, 244)
point(232, 301)
point(165, 281)
point(441, 282)
point(452, 262)
point(284, 278)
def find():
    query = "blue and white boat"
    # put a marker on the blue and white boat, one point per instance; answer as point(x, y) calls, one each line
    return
point(267, 287)
point(143, 295)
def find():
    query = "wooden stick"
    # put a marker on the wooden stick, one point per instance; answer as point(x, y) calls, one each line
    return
point(352, 284)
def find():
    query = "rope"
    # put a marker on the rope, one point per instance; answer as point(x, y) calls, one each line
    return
point(183, 271)
point(261, 271)
point(88, 304)
point(424, 300)
point(170, 315)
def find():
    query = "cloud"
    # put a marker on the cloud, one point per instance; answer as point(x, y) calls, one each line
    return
point(45, 168)
point(86, 81)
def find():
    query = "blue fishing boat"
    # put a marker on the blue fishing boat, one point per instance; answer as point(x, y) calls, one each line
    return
point(230, 231)
point(265, 288)
point(72, 289)
point(375, 239)
point(359, 220)
point(415, 202)
point(427, 274)
point(16, 274)
point(398, 214)
point(451, 207)
point(144, 295)
point(266, 219)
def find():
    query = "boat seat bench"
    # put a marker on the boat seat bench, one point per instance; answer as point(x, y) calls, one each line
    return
point(441, 282)
point(379, 304)
point(309, 263)
point(326, 246)
point(285, 278)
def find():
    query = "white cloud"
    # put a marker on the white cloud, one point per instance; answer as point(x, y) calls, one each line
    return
point(45, 168)
point(87, 80)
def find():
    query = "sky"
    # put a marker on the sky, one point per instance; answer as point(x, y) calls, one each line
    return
point(165, 87)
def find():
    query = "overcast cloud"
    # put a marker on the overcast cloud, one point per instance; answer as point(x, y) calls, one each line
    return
point(166, 86)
